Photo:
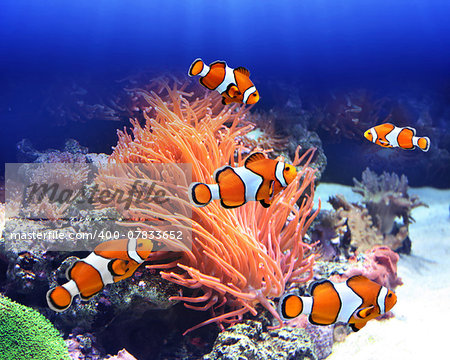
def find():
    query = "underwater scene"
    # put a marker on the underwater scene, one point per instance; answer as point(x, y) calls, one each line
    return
point(226, 179)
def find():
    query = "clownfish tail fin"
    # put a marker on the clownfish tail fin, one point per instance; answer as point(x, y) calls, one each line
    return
point(200, 194)
point(290, 306)
point(196, 67)
point(423, 143)
point(60, 298)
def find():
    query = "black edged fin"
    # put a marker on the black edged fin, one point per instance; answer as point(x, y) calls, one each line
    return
point(412, 129)
point(111, 267)
point(353, 327)
point(230, 206)
point(254, 157)
point(243, 71)
point(315, 284)
point(218, 63)
point(264, 204)
point(220, 172)
point(224, 100)
point(365, 312)
point(358, 277)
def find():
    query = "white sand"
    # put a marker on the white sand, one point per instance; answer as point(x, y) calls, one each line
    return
point(421, 326)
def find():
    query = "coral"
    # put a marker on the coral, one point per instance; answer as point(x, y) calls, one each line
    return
point(82, 347)
point(25, 334)
point(386, 198)
point(122, 355)
point(249, 340)
point(379, 265)
point(239, 257)
point(358, 233)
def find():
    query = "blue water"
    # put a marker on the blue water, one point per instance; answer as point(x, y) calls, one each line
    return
point(317, 44)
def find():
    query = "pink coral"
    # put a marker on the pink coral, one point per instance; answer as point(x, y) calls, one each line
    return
point(380, 265)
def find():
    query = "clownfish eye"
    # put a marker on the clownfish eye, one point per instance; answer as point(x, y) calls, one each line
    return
point(389, 295)
point(254, 94)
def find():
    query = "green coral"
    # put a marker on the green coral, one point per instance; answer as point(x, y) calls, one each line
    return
point(25, 334)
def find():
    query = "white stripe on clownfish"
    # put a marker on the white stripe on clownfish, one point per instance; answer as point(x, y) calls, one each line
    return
point(349, 299)
point(205, 70)
point(251, 180)
point(392, 137)
point(279, 173)
point(100, 264)
point(248, 92)
point(380, 299)
point(228, 79)
point(374, 134)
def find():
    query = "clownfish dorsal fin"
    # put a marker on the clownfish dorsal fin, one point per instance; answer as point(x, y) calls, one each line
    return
point(243, 71)
point(412, 129)
point(365, 312)
point(232, 91)
point(316, 285)
point(222, 172)
point(254, 157)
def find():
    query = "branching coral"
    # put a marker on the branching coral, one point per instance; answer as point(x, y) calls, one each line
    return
point(239, 257)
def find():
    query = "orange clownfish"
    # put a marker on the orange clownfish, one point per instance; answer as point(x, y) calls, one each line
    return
point(260, 179)
point(355, 301)
point(390, 136)
point(110, 262)
point(233, 84)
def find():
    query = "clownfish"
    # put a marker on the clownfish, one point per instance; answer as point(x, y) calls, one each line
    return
point(355, 302)
point(110, 262)
point(260, 179)
point(233, 84)
point(390, 136)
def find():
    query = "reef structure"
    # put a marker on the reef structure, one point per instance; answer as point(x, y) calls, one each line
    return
point(239, 257)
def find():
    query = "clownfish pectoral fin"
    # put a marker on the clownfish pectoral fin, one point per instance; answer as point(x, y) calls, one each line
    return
point(118, 267)
point(357, 326)
point(384, 142)
point(365, 312)
point(265, 203)
point(199, 194)
point(243, 71)
point(226, 100)
point(271, 189)
point(233, 91)
point(254, 157)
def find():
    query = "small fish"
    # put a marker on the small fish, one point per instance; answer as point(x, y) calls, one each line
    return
point(390, 136)
point(110, 262)
point(355, 301)
point(260, 179)
point(233, 84)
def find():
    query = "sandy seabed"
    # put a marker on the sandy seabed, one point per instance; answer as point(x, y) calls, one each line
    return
point(421, 326)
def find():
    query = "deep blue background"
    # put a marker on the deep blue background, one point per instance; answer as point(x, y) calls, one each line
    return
point(319, 44)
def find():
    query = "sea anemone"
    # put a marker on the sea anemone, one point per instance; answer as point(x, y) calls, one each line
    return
point(239, 257)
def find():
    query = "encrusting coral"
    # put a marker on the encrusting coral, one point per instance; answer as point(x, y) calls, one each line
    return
point(239, 257)
point(26, 334)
